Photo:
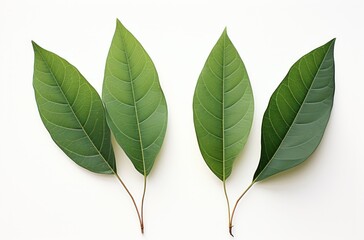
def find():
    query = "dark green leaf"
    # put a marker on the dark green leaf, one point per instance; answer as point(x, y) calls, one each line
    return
point(72, 112)
point(223, 107)
point(297, 113)
point(135, 104)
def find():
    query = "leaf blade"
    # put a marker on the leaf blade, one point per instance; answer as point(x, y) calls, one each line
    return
point(223, 107)
point(135, 103)
point(289, 137)
point(61, 94)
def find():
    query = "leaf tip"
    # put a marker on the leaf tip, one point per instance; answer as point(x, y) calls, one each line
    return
point(35, 45)
point(118, 23)
point(225, 31)
point(224, 34)
point(333, 41)
point(330, 44)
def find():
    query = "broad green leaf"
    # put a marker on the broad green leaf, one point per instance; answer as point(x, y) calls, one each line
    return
point(223, 107)
point(297, 113)
point(134, 101)
point(72, 112)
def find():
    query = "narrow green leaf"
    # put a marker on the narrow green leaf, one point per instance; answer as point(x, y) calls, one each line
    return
point(297, 113)
point(72, 112)
point(135, 104)
point(223, 107)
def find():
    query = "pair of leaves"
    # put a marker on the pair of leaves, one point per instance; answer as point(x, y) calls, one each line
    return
point(74, 115)
point(293, 124)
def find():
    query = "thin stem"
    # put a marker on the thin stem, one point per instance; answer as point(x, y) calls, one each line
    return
point(132, 198)
point(228, 206)
point(236, 204)
point(142, 205)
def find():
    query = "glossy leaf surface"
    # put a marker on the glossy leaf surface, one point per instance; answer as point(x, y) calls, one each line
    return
point(297, 113)
point(223, 107)
point(135, 104)
point(72, 112)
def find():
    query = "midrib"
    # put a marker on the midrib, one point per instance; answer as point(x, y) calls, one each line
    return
point(135, 105)
point(223, 112)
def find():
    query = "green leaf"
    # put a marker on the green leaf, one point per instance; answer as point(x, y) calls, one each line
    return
point(297, 113)
point(72, 112)
point(135, 104)
point(223, 107)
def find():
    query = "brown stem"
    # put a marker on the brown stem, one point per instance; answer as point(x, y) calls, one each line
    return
point(231, 229)
point(142, 227)
point(236, 204)
point(132, 198)
point(142, 205)
point(228, 207)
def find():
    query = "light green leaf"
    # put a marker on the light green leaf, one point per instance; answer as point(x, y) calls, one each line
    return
point(135, 104)
point(72, 112)
point(223, 107)
point(297, 113)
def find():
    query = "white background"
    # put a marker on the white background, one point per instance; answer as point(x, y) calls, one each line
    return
point(44, 195)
